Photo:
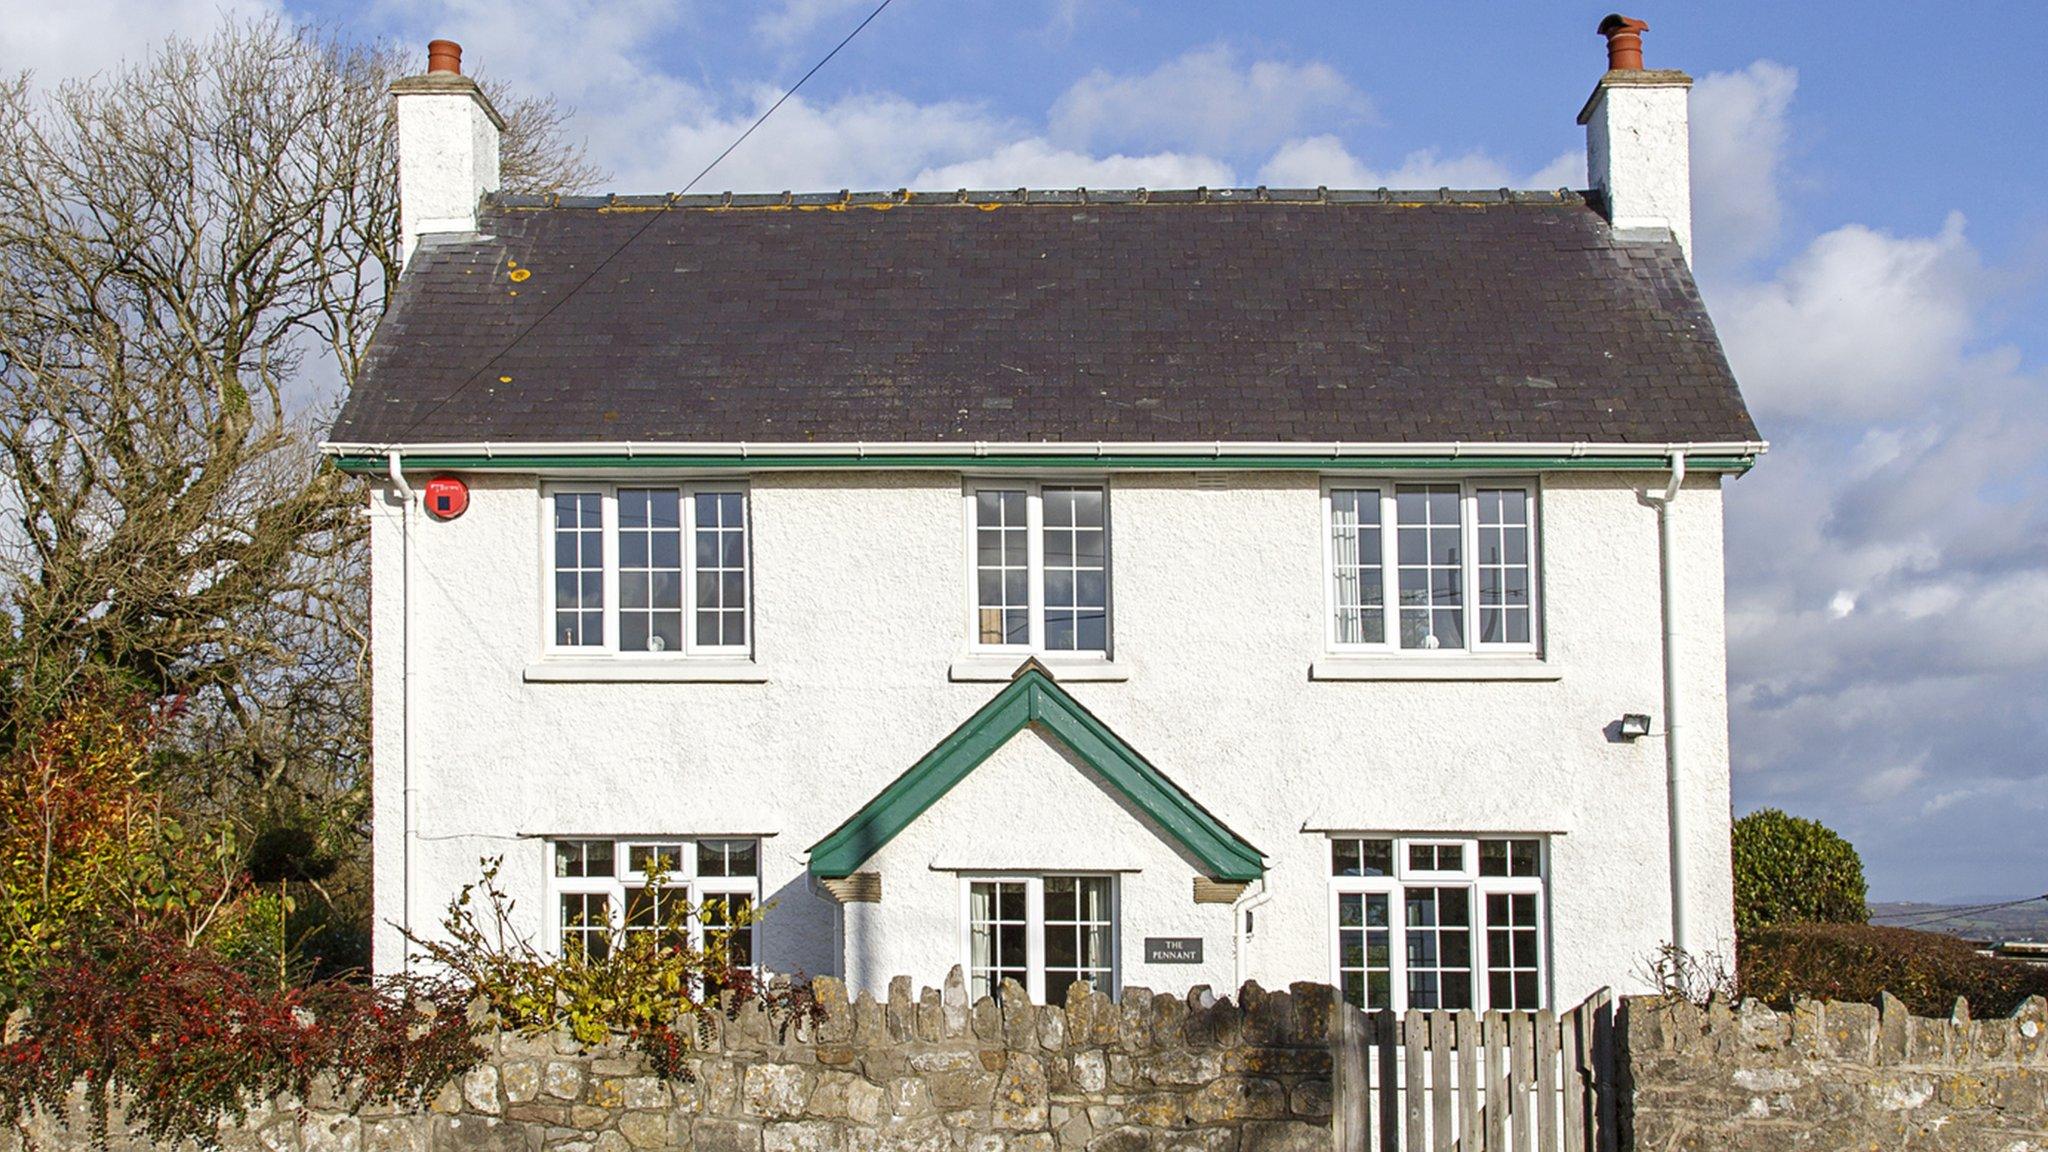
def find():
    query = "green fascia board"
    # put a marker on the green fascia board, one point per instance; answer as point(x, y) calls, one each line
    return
point(1033, 698)
point(964, 461)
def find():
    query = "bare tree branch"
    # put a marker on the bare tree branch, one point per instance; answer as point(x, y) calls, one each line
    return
point(195, 249)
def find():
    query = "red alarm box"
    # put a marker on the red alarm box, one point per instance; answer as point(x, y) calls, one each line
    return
point(446, 497)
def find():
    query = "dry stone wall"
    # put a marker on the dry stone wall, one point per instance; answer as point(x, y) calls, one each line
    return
point(934, 1072)
point(931, 1072)
point(1832, 1075)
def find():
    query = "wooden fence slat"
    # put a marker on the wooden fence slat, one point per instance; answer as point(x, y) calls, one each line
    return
point(1573, 1027)
point(1388, 1109)
point(1468, 1081)
point(1546, 1080)
point(1353, 1116)
point(1414, 1031)
point(1440, 1099)
point(1463, 1081)
point(1524, 1079)
point(1604, 1069)
point(1496, 1050)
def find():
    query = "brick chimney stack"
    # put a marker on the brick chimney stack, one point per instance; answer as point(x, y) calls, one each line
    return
point(447, 148)
point(1638, 141)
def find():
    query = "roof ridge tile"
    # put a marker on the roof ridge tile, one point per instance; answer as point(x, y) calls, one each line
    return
point(1039, 196)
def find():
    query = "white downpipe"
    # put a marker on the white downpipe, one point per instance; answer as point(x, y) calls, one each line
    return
point(1674, 798)
point(1241, 933)
point(407, 499)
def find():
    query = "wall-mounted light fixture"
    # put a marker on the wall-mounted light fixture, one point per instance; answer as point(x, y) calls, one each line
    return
point(1632, 726)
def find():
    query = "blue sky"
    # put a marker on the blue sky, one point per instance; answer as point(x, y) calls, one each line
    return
point(1870, 233)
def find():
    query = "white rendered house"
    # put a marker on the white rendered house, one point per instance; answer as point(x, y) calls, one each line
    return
point(1157, 589)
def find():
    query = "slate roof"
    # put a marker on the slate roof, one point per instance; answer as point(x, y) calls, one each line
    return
point(1361, 317)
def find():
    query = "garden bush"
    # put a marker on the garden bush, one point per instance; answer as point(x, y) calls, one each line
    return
point(648, 987)
point(1859, 962)
point(183, 1038)
point(1793, 870)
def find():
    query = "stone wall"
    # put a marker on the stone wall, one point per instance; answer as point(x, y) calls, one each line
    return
point(1832, 1076)
point(930, 1073)
point(938, 1073)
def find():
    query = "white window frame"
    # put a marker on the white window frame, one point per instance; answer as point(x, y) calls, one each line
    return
point(1390, 568)
point(683, 879)
point(1034, 524)
point(1034, 924)
point(1467, 877)
point(608, 494)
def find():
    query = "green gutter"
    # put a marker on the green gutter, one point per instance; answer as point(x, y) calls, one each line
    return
point(514, 462)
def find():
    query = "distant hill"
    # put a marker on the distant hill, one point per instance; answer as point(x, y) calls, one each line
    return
point(2021, 922)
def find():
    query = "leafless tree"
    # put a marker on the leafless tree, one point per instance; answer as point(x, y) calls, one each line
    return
point(193, 254)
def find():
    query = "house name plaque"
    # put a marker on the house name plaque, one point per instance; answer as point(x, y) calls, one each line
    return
point(1173, 949)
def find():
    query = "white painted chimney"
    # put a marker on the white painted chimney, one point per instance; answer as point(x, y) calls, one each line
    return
point(447, 148)
point(1638, 143)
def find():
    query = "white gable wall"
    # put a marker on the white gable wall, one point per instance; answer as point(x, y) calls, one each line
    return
point(860, 607)
point(1029, 808)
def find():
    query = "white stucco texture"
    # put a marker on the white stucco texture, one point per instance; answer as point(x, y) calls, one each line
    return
point(447, 161)
point(860, 602)
point(1638, 152)
point(1030, 808)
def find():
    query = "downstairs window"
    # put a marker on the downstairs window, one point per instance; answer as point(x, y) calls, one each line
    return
point(1439, 922)
point(607, 891)
point(1045, 932)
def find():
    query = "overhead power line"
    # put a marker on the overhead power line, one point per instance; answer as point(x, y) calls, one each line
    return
point(1935, 916)
point(786, 95)
point(642, 229)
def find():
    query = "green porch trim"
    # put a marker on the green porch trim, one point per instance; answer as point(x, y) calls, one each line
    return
point(967, 461)
point(1033, 699)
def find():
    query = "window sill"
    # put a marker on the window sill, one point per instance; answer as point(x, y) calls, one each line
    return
point(1434, 668)
point(1002, 669)
point(712, 670)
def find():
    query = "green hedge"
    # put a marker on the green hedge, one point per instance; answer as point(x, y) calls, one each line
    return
point(1789, 870)
point(1857, 962)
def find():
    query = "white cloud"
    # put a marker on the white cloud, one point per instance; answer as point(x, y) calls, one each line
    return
point(81, 37)
point(1740, 133)
point(1567, 170)
point(598, 59)
point(1066, 15)
point(1860, 322)
point(655, 131)
point(1324, 161)
point(791, 20)
point(1885, 559)
point(1037, 164)
point(1205, 101)
point(870, 141)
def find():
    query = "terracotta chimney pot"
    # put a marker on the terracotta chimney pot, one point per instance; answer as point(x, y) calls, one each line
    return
point(1624, 42)
point(446, 56)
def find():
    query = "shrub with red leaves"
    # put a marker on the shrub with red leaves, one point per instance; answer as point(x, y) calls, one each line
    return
point(182, 1040)
point(1858, 962)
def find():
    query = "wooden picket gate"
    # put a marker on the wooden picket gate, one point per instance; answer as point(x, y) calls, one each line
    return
point(1471, 1081)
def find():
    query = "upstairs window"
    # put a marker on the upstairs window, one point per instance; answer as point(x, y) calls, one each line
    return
point(1432, 568)
point(1040, 566)
point(648, 570)
point(579, 569)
